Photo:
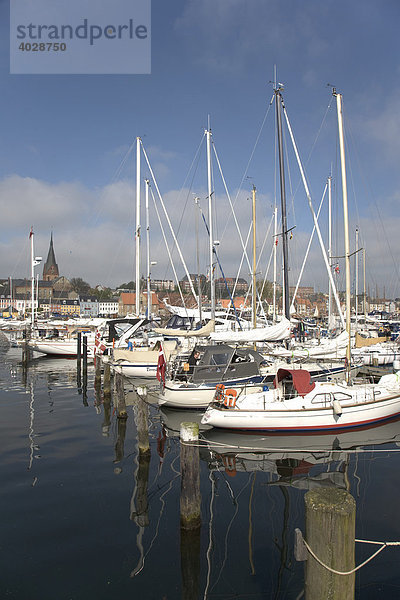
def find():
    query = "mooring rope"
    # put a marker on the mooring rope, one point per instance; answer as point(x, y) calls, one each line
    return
point(382, 544)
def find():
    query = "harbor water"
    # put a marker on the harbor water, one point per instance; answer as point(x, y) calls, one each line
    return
point(85, 515)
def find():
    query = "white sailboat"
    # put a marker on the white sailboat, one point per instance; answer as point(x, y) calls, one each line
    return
point(295, 404)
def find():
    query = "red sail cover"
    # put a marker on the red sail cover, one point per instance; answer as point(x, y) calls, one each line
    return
point(301, 380)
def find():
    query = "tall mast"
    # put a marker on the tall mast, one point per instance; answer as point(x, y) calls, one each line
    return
point(330, 246)
point(32, 280)
point(278, 98)
point(11, 292)
point(196, 201)
point(356, 293)
point(275, 248)
point(254, 262)
point(346, 223)
point(137, 236)
point(210, 221)
point(147, 182)
point(365, 290)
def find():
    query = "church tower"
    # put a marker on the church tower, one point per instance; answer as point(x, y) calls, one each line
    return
point(50, 269)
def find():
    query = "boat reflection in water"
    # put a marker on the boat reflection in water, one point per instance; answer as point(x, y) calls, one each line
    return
point(172, 418)
point(292, 457)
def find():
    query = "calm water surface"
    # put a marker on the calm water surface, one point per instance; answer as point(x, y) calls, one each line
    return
point(82, 519)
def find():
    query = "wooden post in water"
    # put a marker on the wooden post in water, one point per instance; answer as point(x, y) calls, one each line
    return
point(97, 373)
point(107, 414)
point(122, 417)
point(79, 346)
point(84, 354)
point(26, 351)
point(330, 533)
point(190, 562)
point(190, 510)
point(190, 476)
point(120, 393)
point(84, 370)
point(120, 443)
point(107, 380)
point(141, 411)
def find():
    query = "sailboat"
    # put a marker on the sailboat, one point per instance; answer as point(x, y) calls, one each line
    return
point(295, 403)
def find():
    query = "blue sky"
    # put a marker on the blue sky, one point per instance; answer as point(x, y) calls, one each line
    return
point(63, 138)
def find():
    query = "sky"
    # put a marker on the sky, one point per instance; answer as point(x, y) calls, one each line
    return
point(68, 144)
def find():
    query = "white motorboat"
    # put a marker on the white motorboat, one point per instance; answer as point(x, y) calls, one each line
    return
point(63, 342)
point(139, 361)
point(192, 385)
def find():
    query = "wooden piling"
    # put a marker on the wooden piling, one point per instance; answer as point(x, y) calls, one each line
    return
point(120, 393)
point(120, 443)
point(190, 562)
point(79, 346)
point(79, 377)
point(84, 353)
point(141, 412)
point(84, 371)
point(97, 374)
point(190, 504)
point(26, 351)
point(107, 414)
point(107, 380)
point(330, 533)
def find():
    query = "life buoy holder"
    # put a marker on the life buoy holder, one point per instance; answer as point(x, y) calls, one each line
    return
point(230, 398)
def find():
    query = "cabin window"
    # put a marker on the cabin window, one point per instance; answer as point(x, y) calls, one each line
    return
point(219, 359)
point(321, 399)
point(341, 396)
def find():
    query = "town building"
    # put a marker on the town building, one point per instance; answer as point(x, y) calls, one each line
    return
point(162, 285)
point(185, 282)
point(127, 303)
point(89, 306)
point(240, 286)
point(108, 308)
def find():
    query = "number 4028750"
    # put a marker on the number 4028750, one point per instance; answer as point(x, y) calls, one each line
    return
point(42, 47)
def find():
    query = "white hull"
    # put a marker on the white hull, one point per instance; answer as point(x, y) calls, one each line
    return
point(304, 420)
point(59, 348)
point(189, 396)
point(136, 370)
point(140, 362)
point(359, 406)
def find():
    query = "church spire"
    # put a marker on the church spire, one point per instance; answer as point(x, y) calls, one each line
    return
point(50, 269)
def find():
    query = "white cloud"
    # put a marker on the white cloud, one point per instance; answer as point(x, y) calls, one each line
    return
point(94, 234)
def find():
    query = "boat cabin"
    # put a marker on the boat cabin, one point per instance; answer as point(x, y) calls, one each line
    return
point(220, 362)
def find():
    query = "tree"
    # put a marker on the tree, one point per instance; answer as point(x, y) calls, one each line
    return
point(127, 286)
point(105, 294)
point(80, 286)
